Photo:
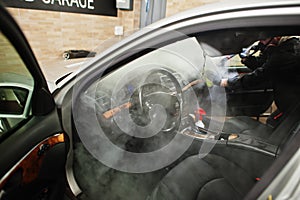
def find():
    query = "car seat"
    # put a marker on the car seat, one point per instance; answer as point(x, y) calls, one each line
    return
point(222, 175)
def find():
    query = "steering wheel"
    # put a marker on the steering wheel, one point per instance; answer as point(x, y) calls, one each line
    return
point(160, 87)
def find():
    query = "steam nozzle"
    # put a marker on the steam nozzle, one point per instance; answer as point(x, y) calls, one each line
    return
point(255, 47)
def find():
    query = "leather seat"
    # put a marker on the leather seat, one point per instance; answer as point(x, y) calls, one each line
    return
point(248, 126)
point(212, 177)
point(222, 176)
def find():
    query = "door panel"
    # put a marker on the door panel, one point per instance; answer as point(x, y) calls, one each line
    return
point(34, 159)
point(32, 143)
point(248, 102)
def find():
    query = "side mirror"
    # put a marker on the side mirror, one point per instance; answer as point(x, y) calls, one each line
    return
point(15, 100)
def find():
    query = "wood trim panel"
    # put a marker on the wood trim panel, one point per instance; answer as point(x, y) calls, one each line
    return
point(31, 163)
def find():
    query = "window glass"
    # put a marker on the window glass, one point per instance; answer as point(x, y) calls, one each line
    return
point(16, 85)
point(149, 114)
point(152, 99)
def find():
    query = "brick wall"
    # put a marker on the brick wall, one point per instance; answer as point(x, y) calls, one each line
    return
point(50, 33)
point(10, 62)
point(176, 6)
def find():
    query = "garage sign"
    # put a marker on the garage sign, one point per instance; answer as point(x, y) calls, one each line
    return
point(97, 7)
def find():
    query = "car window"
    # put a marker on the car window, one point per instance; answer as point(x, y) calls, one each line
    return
point(152, 98)
point(16, 86)
point(167, 104)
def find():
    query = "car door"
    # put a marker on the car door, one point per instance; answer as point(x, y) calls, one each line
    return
point(252, 101)
point(247, 102)
point(32, 143)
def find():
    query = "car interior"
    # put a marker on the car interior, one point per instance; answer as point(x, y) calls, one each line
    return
point(122, 150)
point(153, 123)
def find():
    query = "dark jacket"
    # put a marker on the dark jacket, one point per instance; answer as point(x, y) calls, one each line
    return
point(282, 69)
